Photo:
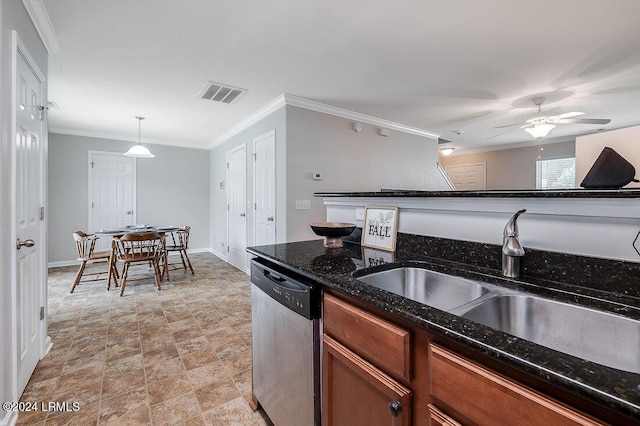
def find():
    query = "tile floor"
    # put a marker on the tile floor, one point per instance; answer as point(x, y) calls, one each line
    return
point(181, 355)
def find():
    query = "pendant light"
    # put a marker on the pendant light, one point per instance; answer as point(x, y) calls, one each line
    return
point(139, 150)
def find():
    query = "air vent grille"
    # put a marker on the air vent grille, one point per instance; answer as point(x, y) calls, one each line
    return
point(221, 93)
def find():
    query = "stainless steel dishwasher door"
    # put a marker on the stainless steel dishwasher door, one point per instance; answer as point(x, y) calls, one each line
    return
point(285, 362)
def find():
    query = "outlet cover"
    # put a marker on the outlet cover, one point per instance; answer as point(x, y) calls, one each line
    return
point(359, 213)
point(303, 204)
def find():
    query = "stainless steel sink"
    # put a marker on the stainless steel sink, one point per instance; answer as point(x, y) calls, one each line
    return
point(596, 336)
point(432, 288)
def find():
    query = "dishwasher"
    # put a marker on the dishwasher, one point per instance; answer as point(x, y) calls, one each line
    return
point(285, 313)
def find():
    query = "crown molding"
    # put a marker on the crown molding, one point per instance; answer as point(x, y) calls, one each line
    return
point(286, 99)
point(356, 116)
point(272, 106)
point(41, 21)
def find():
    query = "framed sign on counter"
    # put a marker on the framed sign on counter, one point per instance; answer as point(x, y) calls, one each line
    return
point(380, 227)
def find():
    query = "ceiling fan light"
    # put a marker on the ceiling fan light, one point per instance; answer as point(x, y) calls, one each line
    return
point(139, 151)
point(540, 131)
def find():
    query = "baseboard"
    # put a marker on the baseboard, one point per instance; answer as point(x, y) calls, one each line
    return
point(218, 254)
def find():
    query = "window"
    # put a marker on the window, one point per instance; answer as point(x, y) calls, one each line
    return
point(557, 173)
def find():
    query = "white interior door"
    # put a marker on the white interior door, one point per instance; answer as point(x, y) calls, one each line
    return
point(237, 208)
point(264, 189)
point(112, 192)
point(29, 217)
point(468, 176)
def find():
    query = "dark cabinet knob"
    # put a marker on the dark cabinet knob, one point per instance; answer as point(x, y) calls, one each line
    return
point(395, 408)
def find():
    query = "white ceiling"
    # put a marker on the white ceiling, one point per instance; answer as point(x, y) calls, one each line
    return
point(437, 65)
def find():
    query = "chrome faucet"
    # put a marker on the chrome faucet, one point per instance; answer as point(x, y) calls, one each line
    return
point(512, 251)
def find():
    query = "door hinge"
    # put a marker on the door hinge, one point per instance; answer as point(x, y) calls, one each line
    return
point(227, 165)
point(41, 213)
point(255, 156)
point(227, 249)
point(41, 313)
point(92, 204)
point(41, 109)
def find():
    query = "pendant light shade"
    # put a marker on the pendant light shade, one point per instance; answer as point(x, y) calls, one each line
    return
point(139, 150)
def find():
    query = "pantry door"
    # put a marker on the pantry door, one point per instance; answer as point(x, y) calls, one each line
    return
point(264, 189)
point(237, 208)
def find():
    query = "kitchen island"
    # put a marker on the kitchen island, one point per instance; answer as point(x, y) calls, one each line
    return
point(605, 393)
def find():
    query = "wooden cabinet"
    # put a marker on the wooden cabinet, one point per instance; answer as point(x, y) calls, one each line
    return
point(438, 418)
point(479, 396)
point(357, 393)
point(372, 360)
point(364, 360)
point(376, 340)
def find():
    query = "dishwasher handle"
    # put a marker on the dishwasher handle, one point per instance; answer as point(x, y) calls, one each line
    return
point(281, 281)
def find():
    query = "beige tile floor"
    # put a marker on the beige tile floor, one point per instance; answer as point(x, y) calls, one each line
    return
point(181, 355)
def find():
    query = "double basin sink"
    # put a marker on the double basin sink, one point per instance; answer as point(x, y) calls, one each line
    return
point(596, 336)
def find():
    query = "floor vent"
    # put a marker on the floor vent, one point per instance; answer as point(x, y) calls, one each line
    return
point(221, 93)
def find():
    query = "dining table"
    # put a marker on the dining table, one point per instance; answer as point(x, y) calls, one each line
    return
point(115, 233)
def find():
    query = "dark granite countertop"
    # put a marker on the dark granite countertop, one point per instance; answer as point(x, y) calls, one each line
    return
point(616, 390)
point(507, 193)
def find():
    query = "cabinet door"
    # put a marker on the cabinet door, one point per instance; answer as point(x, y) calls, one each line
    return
point(357, 393)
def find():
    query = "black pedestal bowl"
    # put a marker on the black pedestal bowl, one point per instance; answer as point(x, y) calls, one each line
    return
point(333, 232)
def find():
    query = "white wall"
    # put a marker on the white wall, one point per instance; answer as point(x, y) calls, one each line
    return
point(12, 17)
point(173, 189)
point(625, 142)
point(350, 161)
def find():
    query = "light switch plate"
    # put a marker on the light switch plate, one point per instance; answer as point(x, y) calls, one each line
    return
point(303, 204)
point(359, 213)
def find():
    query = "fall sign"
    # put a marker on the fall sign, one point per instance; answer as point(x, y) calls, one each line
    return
point(380, 227)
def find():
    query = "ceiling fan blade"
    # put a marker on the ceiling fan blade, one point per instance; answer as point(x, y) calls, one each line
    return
point(508, 125)
point(565, 115)
point(508, 131)
point(584, 121)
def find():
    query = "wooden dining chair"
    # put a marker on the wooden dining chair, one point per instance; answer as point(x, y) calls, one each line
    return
point(179, 242)
point(139, 248)
point(85, 247)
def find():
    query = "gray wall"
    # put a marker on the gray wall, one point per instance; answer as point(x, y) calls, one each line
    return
point(12, 17)
point(350, 161)
point(277, 121)
point(309, 141)
point(173, 189)
point(512, 168)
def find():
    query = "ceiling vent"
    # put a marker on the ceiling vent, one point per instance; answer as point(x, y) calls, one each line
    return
point(221, 93)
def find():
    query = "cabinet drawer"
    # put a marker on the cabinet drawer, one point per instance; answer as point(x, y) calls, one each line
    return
point(385, 345)
point(485, 398)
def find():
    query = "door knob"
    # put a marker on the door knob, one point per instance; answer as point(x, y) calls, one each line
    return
point(26, 243)
point(242, 215)
point(270, 219)
point(129, 211)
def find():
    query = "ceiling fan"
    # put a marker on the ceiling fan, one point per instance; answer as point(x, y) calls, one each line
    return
point(539, 124)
